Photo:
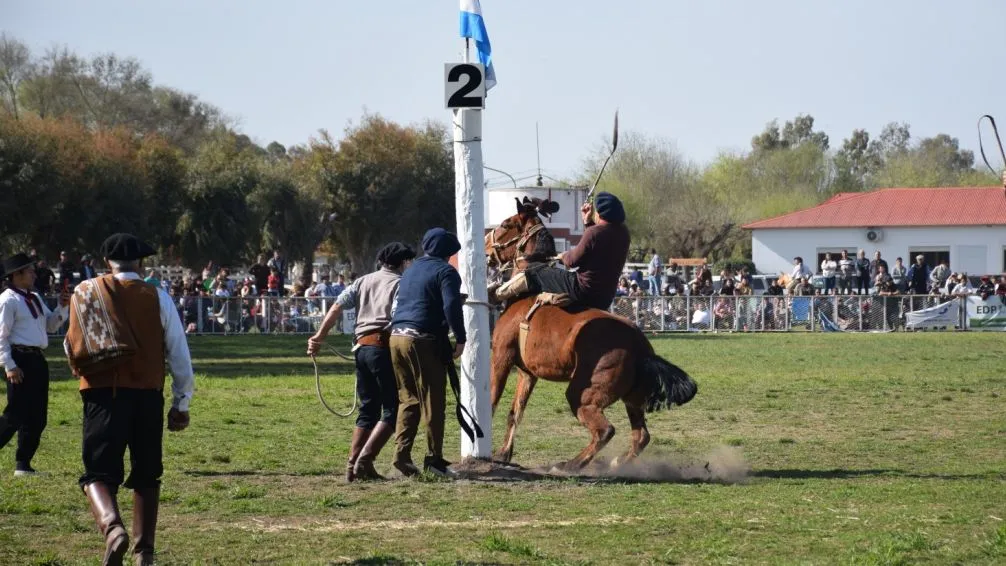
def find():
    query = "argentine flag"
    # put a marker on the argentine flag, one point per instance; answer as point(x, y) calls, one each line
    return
point(474, 27)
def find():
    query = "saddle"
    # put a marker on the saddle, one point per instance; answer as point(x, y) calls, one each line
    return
point(543, 299)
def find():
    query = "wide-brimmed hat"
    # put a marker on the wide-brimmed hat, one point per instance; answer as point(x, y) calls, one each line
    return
point(16, 262)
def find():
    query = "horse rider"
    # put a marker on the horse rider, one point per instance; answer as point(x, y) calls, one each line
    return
point(599, 258)
point(123, 396)
point(429, 304)
point(24, 322)
point(373, 297)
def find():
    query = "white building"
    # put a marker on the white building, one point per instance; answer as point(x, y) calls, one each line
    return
point(967, 226)
point(565, 225)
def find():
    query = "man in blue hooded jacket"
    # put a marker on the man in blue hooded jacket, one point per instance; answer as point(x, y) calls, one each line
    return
point(428, 305)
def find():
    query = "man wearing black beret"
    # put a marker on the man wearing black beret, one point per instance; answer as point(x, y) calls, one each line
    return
point(373, 296)
point(599, 258)
point(131, 329)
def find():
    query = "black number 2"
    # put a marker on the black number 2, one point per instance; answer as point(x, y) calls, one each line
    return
point(460, 99)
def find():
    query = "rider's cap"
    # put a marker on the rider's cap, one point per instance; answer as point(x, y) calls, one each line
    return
point(438, 242)
point(609, 208)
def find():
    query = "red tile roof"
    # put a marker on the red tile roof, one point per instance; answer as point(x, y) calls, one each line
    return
point(945, 206)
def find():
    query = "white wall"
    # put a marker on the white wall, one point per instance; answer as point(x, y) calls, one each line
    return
point(773, 250)
point(500, 206)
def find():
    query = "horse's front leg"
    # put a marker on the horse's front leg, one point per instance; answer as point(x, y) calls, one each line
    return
point(525, 385)
point(502, 361)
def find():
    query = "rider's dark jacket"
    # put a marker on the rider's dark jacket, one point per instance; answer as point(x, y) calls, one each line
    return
point(599, 256)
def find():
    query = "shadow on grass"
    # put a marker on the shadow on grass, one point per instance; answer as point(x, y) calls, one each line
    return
point(254, 473)
point(841, 474)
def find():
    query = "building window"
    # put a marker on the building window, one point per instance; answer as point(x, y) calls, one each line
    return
point(1004, 259)
point(933, 255)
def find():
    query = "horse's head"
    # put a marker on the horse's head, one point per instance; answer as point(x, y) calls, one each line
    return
point(522, 235)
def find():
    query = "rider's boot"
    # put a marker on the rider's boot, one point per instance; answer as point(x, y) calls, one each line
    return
point(512, 289)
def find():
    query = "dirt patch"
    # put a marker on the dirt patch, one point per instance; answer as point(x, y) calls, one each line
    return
point(275, 526)
point(724, 464)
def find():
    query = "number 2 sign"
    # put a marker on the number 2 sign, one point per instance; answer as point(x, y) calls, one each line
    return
point(464, 85)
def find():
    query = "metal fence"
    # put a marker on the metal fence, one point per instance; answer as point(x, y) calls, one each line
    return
point(298, 315)
point(858, 313)
point(252, 315)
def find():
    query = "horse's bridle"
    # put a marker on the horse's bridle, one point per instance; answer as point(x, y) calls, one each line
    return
point(520, 239)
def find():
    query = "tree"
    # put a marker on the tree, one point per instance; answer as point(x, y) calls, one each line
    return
point(794, 133)
point(15, 67)
point(856, 162)
point(666, 206)
point(215, 222)
point(384, 182)
point(289, 214)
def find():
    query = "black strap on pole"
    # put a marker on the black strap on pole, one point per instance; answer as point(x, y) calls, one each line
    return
point(473, 431)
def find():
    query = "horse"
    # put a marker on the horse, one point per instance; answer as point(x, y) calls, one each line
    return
point(602, 357)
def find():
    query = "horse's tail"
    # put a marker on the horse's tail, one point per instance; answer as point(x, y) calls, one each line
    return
point(669, 384)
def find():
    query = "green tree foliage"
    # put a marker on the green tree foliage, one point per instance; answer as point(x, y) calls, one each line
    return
point(688, 211)
point(384, 182)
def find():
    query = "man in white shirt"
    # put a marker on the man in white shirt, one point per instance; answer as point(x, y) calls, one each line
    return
point(25, 321)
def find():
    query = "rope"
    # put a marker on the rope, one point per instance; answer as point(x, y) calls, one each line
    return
point(317, 383)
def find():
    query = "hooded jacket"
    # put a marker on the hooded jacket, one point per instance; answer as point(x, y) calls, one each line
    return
point(429, 294)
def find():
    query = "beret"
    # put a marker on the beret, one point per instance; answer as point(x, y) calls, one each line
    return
point(125, 247)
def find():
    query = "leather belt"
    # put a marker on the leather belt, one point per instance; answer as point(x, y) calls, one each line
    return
point(376, 339)
point(27, 349)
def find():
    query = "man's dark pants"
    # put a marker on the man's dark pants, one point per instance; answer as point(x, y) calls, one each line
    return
point(27, 405)
point(376, 387)
point(117, 419)
point(542, 278)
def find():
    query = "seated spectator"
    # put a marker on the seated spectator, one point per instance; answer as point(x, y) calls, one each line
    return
point(724, 312)
point(623, 288)
point(728, 287)
point(804, 287)
point(882, 276)
point(273, 283)
point(700, 317)
point(986, 288)
point(960, 286)
point(635, 291)
point(775, 288)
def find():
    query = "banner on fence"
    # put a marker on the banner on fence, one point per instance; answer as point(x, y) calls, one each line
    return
point(946, 315)
point(989, 314)
point(349, 321)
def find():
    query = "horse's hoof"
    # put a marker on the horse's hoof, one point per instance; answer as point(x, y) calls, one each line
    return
point(566, 468)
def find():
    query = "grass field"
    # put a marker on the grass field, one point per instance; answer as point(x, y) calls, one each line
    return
point(858, 449)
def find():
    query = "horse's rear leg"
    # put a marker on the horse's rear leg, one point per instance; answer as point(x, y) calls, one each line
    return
point(525, 385)
point(589, 405)
point(640, 435)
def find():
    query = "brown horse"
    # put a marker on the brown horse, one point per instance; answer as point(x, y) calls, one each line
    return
point(601, 356)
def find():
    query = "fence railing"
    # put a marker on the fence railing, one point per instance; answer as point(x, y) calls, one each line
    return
point(298, 315)
point(765, 313)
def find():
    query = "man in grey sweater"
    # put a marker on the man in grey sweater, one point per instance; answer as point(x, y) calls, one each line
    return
point(373, 297)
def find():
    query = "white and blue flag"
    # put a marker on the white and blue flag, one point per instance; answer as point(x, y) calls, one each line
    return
point(474, 27)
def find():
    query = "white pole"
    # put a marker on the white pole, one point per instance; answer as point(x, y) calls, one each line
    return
point(472, 266)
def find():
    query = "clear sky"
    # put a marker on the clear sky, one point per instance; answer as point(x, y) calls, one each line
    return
point(707, 74)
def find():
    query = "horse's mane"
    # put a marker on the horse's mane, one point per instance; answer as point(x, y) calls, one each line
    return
point(544, 247)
